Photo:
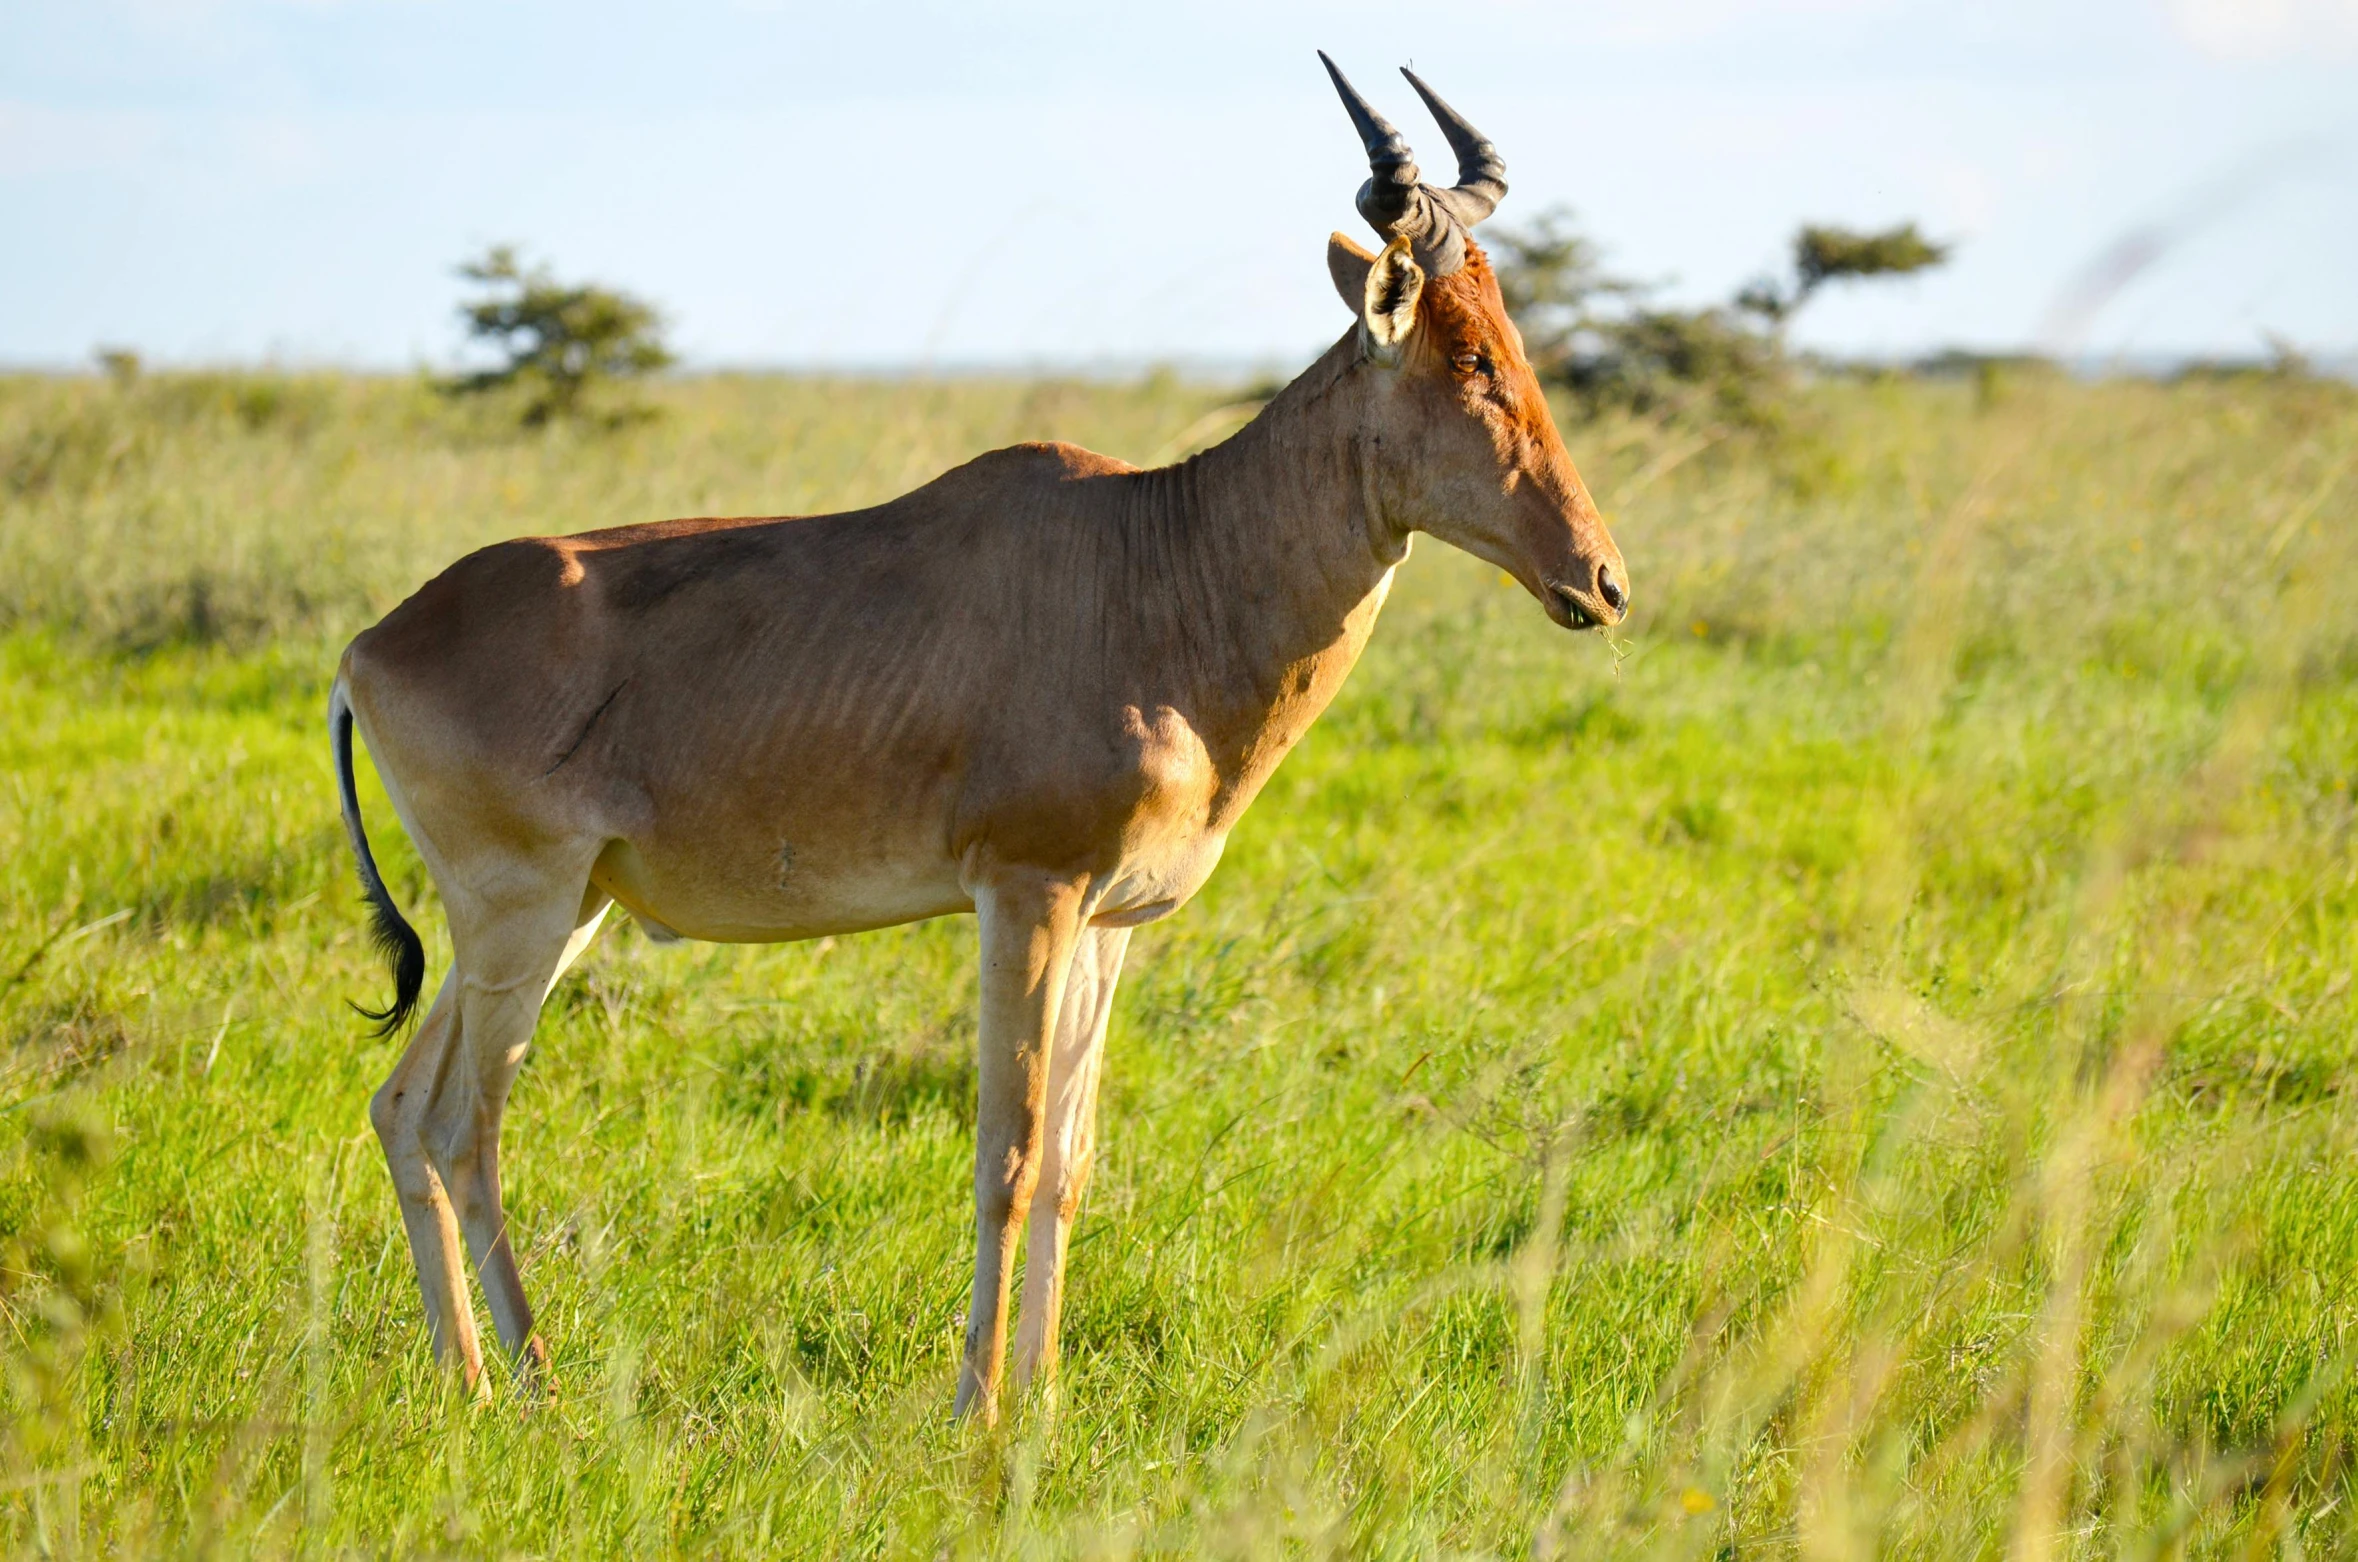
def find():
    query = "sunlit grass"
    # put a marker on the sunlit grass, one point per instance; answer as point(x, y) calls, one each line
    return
point(1862, 1070)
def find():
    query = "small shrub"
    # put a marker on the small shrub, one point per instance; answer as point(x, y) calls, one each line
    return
point(1700, 365)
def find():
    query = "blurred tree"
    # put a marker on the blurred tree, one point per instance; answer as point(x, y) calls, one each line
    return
point(120, 363)
point(558, 339)
point(1554, 281)
point(1708, 365)
point(1825, 254)
point(1598, 335)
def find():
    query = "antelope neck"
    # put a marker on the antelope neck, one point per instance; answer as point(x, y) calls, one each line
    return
point(1269, 542)
point(1254, 574)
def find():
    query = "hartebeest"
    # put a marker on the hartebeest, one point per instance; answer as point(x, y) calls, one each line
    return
point(1043, 688)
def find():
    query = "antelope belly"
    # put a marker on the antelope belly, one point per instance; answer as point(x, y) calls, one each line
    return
point(746, 908)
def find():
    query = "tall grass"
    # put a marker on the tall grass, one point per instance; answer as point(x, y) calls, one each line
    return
point(1861, 1068)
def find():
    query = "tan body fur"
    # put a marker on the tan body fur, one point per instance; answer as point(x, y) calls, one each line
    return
point(1043, 688)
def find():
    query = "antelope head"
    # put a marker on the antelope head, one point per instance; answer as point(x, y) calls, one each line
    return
point(1460, 442)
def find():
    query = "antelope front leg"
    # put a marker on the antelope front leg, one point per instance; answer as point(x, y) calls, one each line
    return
point(1068, 1150)
point(1029, 922)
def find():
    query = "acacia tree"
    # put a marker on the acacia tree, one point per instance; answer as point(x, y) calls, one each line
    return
point(557, 340)
point(1827, 254)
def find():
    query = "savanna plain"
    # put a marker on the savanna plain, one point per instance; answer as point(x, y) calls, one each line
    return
point(1862, 1064)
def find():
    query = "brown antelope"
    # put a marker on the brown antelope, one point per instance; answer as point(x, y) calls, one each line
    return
point(1042, 688)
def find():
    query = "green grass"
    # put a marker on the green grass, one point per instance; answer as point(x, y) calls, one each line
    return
point(1866, 1071)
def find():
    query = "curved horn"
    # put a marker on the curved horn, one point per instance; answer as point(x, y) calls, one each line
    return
point(1436, 222)
point(1384, 199)
point(1481, 172)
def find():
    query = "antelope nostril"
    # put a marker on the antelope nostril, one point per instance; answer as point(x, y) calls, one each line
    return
point(1611, 589)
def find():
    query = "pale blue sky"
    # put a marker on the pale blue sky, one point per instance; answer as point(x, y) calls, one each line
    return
point(233, 180)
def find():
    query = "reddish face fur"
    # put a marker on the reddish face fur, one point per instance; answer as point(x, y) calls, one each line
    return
point(1469, 452)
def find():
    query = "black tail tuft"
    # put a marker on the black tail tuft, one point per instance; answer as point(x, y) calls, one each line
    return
point(394, 938)
point(398, 942)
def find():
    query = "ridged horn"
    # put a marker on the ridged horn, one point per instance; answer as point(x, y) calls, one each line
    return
point(1385, 198)
point(1481, 172)
point(1436, 223)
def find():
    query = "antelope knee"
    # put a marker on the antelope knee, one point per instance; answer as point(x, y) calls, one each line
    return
point(384, 1114)
point(400, 1125)
point(405, 1154)
point(1001, 1199)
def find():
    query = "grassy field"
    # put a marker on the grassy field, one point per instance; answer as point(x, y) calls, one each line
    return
point(1863, 1067)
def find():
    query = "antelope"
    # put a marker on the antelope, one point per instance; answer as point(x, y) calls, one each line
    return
point(1042, 688)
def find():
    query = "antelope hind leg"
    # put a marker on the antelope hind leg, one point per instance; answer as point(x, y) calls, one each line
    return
point(1029, 922)
point(398, 1113)
point(1068, 1148)
point(507, 965)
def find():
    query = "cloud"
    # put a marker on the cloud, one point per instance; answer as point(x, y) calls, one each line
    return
point(2265, 29)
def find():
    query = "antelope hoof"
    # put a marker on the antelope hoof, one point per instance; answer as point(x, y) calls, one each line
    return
point(535, 1377)
point(975, 1401)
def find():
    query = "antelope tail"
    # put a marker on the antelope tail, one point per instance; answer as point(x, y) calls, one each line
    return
point(395, 939)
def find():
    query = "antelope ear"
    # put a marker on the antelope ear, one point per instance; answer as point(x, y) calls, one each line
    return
point(1348, 264)
point(1387, 312)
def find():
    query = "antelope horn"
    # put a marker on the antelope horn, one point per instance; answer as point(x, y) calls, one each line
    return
point(1481, 172)
point(1396, 205)
point(1385, 199)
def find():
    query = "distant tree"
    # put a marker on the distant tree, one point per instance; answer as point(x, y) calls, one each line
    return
point(558, 340)
point(1707, 365)
point(121, 364)
point(1601, 337)
point(1597, 334)
point(1824, 254)
point(1554, 281)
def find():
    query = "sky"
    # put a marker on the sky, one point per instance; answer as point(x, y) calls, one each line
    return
point(970, 184)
